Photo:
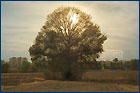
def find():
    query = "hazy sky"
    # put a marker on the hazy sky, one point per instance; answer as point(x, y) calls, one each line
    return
point(21, 22)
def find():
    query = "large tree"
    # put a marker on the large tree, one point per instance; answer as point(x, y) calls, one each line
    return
point(68, 38)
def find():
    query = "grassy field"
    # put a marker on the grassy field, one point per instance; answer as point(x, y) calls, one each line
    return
point(93, 81)
point(13, 79)
point(116, 76)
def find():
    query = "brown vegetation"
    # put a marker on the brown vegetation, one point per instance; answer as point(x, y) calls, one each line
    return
point(116, 76)
point(12, 79)
point(71, 86)
point(102, 81)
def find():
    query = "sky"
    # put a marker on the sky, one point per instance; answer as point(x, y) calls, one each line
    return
point(22, 20)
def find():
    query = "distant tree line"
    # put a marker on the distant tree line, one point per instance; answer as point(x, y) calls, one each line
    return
point(128, 65)
point(28, 67)
point(133, 64)
point(115, 64)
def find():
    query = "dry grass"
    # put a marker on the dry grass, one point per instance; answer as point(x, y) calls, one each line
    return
point(116, 76)
point(10, 79)
point(71, 86)
point(93, 81)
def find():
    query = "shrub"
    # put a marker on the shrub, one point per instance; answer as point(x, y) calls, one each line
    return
point(26, 67)
point(98, 65)
point(75, 73)
point(54, 72)
point(5, 67)
point(135, 64)
point(127, 65)
point(49, 75)
point(117, 65)
point(34, 68)
point(106, 66)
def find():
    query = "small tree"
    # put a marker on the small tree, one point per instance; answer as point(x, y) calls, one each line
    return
point(68, 38)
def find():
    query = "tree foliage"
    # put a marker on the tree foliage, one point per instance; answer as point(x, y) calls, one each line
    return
point(115, 60)
point(67, 38)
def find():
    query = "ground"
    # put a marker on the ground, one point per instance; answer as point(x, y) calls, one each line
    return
point(93, 81)
point(71, 86)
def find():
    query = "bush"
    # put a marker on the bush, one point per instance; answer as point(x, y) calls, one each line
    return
point(117, 65)
point(129, 65)
point(98, 65)
point(5, 67)
point(135, 64)
point(55, 72)
point(49, 75)
point(75, 73)
point(34, 68)
point(26, 67)
point(106, 66)
point(91, 65)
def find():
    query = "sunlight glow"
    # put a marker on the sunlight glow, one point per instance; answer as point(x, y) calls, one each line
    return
point(74, 19)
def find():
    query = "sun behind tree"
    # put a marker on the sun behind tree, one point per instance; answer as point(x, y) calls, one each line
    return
point(67, 39)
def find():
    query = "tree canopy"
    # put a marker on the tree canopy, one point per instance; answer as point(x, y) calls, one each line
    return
point(68, 37)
